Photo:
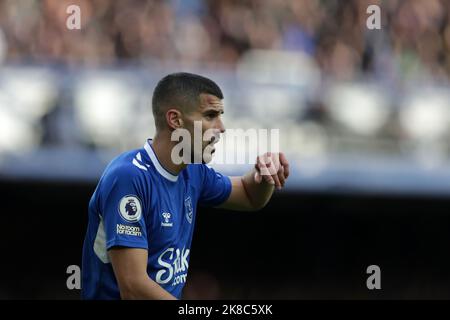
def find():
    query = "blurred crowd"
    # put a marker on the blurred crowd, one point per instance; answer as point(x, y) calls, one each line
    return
point(335, 84)
point(414, 36)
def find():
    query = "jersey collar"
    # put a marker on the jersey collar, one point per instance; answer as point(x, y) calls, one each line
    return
point(154, 159)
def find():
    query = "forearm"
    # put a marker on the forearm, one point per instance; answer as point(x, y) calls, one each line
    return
point(258, 194)
point(144, 288)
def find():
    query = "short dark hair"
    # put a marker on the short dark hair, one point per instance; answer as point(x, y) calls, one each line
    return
point(182, 90)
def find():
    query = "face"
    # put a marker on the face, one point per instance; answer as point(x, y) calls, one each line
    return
point(209, 112)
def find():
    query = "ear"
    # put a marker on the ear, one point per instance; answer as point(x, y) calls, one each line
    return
point(173, 118)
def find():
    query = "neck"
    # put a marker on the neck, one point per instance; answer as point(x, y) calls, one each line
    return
point(162, 146)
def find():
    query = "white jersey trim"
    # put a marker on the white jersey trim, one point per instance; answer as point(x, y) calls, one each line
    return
point(166, 174)
point(100, 243)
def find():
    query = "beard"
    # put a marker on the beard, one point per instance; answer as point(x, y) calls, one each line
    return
point(206, 154)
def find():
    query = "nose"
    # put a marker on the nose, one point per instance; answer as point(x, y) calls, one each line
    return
point(221, 126)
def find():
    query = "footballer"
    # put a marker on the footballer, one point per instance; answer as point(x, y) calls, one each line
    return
point(142, 214)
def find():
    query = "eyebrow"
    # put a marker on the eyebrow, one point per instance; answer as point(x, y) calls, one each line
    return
point(215, 111)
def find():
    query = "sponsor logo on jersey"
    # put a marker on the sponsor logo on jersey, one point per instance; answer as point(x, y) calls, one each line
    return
point(175, 264)
point(167, 219)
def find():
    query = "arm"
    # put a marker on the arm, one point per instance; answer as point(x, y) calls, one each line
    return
point(130, 269)
point(253, 191)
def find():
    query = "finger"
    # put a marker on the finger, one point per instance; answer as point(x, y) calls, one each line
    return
point(271, 166)
point(267, 159)
point(268, 179)
point(281, 176)
point(263, 168)
point(258, 177)
point(265, 174)
point(268, 167)
point(285, 164)
point(277, 181)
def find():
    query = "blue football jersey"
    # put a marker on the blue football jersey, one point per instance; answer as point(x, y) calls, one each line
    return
point(139, 204)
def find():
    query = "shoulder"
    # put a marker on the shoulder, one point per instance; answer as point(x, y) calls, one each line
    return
point(196, 171)
point(202, 172)
point(125, 167)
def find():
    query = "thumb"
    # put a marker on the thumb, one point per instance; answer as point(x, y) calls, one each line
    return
point(257, 177)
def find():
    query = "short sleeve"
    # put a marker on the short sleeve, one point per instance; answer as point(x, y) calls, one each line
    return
point(216, 187)
point(123, 210)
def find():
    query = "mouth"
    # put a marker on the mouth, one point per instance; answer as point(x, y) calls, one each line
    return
point(211, 148)
point(214, 140)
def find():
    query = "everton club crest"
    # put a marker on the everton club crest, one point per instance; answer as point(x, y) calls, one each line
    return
point(188, 209)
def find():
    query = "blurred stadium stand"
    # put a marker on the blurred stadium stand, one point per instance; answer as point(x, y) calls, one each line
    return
point(349, 109)
point(360, 112)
